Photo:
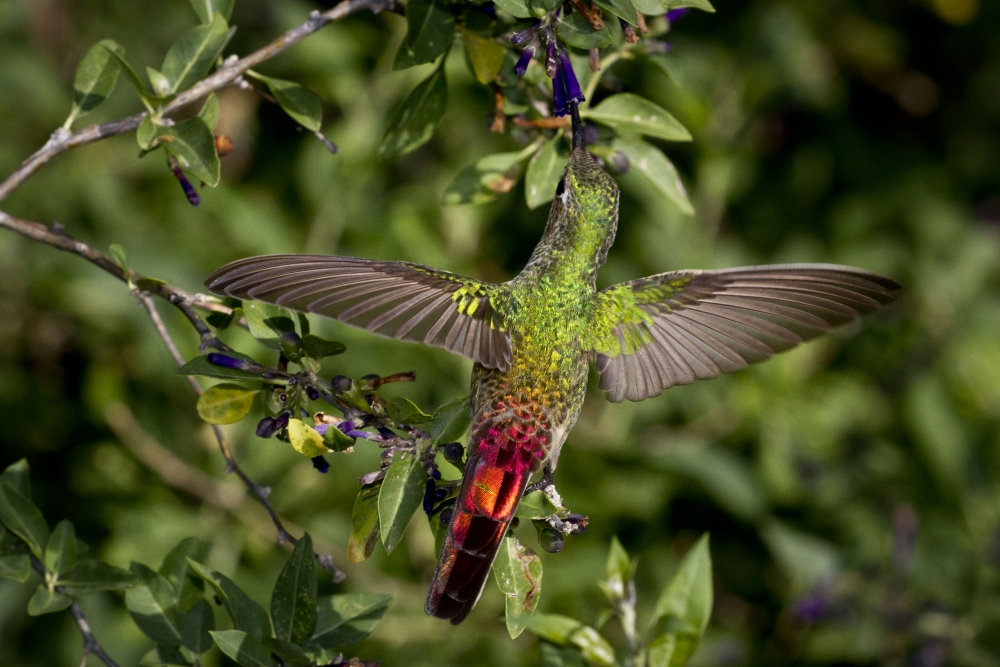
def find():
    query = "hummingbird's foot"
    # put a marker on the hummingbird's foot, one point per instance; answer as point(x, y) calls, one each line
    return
point(545, 482)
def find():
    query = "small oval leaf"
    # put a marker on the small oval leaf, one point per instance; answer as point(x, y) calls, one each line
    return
point(226, 403)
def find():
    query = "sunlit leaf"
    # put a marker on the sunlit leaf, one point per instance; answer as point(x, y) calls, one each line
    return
point(485, 55)
point(623, 9)
point(518, 571)
point(516, 8)
point(60, 551)
point(536, 505)
point(226, 403)
point(24, 519)
point(118, 53)
point(686, 604)
point(414, 121)
point(618, 567)
point(637, 115)
point(364, 524)
point(205, 9)
point(246, 614)
point(703, 5)
point(194, 53)
point(210, 111)
point(305, 439)
point(188, 588)
point(293, 601)
point(318, 348)
point(430, 27)
point(652, 164)
point(191, 142)
point(17, 476)
point(267, 323)
point(160, 83)
point(491, 176)
point(544, 172)
point(243, 648)
point(563, 630)
point(343, 620)
point(401, 495)
point(404, 411)
point(559, 656)
point(576, 31)
point(46, 601)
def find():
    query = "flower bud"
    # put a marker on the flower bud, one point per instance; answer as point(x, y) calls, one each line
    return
point(225, 361)
point(551, 540)
point(291, 344)
point(312, 393)
point(591, 135)
point(342, 383)
point(435, 474)
point(445, 516)
point(440, 494)
point(524, 61)
point(523, 36)
point(320, 464)
point(675, 14)
point(619, 163)
point(429, 497)
point(267, 427)
point(453, 452)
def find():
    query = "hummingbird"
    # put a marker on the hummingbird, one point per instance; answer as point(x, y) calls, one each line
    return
point(532, 340)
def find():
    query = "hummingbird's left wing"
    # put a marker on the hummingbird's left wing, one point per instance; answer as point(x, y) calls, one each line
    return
point(678, 327)
point(396, 299)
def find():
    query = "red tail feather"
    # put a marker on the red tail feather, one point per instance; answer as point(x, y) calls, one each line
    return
point(506, 447)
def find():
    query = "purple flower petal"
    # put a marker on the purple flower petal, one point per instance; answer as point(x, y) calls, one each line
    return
point(524, 61)
point(674, 14)
point(226, 361)
point(573, 92)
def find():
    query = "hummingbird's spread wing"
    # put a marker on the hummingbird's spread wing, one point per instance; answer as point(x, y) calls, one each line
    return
point(682, 326)
point(396, 299)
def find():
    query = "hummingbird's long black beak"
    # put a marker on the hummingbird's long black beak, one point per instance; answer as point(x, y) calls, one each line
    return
point(574, 111)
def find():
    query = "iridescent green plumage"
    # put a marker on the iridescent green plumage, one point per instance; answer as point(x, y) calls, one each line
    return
point(534, 337)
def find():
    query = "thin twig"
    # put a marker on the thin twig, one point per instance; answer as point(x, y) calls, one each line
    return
point(90, 643)
point(261, 492)
point(63, 140)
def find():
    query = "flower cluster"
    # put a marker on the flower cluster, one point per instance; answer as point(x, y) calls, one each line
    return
point(565, 86)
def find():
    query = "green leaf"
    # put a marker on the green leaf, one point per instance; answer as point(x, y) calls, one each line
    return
point(450, 421)
point(92, 575)
point(563, 630)
point(267, 323)
point(145, 134)
point(318, 348)
point(686, 603)
point(226, 403)
point(47, 600)
point(289, 654)
point(247, 615)
point(404, 411)
point(147, 283)
point(652, 164)
point(16, 567)
point(194, 53)
point(414, 121)
point(575, 31)
point(650, 7)
point(118, 254)
point(401, 495)
point(536, 505)
point(60, 552)
point(164, 656)
point(22, 518)
point(516, 8)
point(430, 27)
point(336, 440)
point(618, 567)
point(483, 181)
point(16, 476)
point(243, 648)
point(152, 605)
point(485, 56)
point(303, 105)
point(364, 524)
point(518, 571)
point(623, 9)
point(210, 111)
point(206, 9)
point(191, 142)
point(635, 114)
point(200, 366)
point(703, 5)
point(559, 656)
point(187, 588)
point(306, 440)
point(95, 79)
point(160, 83)
point(196, 625)
point(118, 53)
point(343, 620)
point(293, 601)
point(544, 172)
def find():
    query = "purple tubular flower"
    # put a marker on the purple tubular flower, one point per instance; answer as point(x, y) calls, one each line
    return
point(573, 92)
point(560, 107)
point(429, 497)
point(320, 464)
point(267, 427)
point(674, 14)
point(522, 37)
point(282, 419)
point(226, 361)
point(524, 61)
point(189, 191)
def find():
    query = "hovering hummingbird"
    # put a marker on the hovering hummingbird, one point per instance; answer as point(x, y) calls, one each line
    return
point(533, 339)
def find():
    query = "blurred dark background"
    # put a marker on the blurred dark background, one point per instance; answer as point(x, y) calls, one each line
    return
point(852, 487)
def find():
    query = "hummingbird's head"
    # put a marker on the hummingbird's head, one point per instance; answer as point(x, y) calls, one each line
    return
point(587, 199)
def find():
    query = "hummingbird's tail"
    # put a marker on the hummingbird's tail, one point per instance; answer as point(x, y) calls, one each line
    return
point(505, 447)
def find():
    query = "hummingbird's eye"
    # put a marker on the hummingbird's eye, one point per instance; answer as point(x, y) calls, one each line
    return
point(561, 187)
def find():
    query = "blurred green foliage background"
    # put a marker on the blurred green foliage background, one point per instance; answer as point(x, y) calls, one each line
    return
point(851, 487)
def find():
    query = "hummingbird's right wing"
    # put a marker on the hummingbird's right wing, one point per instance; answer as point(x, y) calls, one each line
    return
point(396, 299)
point(678, 327)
